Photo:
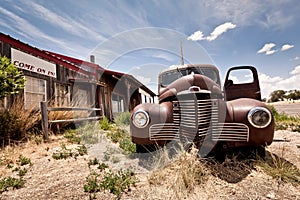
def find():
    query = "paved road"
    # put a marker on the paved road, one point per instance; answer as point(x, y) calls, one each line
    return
point(290, 109)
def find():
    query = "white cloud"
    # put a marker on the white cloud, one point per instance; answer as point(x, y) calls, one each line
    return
point(67, 24)
point(196, 36)
point(144, 80)
point(219, 30)
point(165, 56)
point(286, 47)
point(296, 70)
point(269, 84)
point(267, 49)
point(267, 79)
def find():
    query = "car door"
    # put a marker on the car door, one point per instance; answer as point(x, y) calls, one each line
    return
point(242, 82)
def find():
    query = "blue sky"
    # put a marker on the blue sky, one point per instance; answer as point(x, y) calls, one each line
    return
point(142, 37)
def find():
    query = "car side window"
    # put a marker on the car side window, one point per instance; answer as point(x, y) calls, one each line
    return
point(241, 76)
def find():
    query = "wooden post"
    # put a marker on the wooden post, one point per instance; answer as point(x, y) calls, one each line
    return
point(44, 113)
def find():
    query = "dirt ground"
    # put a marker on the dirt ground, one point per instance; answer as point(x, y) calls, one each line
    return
point(48, 178)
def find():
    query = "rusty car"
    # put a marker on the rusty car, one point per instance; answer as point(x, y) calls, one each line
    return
point(194, 108)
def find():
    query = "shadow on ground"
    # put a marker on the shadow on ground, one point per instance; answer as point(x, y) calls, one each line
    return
point(233, 168)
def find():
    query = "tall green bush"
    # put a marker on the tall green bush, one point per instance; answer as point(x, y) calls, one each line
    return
point(12, 79)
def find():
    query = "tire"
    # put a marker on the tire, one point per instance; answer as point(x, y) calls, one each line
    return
point(260, 151)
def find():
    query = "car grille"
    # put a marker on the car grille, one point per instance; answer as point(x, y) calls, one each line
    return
point(230, 132)
point(194, 119)
point(167, 131)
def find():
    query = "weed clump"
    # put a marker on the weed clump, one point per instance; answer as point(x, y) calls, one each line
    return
point(122, 137)
point(182, 175)
point(104, 124)
point(24, 161)
point(16, 181)
point(72, 137)
point(64, 152)
point(115, 182)
point(280, 169)
point(10, 182)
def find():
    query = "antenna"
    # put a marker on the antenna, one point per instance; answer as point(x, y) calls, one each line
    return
point(181, 54)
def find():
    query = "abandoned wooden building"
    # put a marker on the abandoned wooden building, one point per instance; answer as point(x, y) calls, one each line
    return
point(66, 81)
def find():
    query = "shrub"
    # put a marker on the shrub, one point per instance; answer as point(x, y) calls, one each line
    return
point(65, 153)
point(122, 137)
point(12, 79)
point(128, 146)
point(8, 182)
point(24, 161)
point(17, 123)
point(117, 182)
point(92, 183)
point(116, 135)
point(95, 161)
point(104, 124)
point(72, 137)
point(123, 119)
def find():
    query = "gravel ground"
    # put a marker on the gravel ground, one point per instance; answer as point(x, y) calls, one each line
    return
point(53, 179)
point(48, 178)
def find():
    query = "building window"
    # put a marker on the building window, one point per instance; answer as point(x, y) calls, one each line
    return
point(146, 98)
point(35, 92)
point(81, 98)
point(117, 104)
point(62, 95)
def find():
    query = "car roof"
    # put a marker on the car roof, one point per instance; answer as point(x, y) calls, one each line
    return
point(173, 67)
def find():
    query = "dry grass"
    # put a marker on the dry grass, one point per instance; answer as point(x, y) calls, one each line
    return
point(18, 123)
point(279, 168)
point(181, 176)
point(11, 153)
point(65, 115)
point(28, 118)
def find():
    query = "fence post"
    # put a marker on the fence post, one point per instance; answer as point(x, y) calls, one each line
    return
point(44, 113)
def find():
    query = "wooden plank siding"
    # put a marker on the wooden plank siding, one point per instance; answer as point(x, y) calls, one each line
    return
point(101, 85)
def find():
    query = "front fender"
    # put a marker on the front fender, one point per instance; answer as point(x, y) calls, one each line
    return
point(237, 111)
point(158, 113)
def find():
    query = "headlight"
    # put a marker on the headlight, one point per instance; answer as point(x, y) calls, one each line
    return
point(140, 119)
point(259, 117)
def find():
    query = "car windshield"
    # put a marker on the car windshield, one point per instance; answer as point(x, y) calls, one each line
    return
point(170, 76)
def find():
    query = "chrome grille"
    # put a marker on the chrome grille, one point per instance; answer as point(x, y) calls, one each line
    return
point(230, 132)
point(194, 119)
point(167, 131)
